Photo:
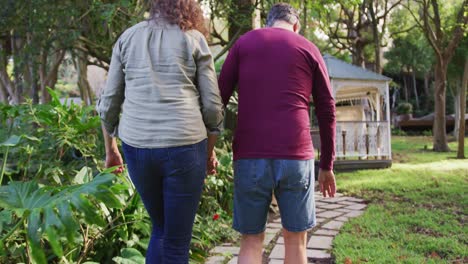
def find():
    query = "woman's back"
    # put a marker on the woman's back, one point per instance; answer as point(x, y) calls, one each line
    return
point(160, 74)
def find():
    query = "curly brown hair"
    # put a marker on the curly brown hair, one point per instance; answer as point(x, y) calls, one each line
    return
point(185, 13)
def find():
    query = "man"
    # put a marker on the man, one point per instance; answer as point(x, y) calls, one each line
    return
point(276, 71)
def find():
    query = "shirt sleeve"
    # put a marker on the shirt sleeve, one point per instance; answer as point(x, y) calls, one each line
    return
point(109, 105)
point(229, 74)
point(212, 107)
point(326, 113)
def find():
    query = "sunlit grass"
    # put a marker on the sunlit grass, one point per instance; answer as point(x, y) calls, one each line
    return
point(417, 209)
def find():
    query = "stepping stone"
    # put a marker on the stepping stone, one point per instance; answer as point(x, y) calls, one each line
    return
point(352, 199)
point(342, 218)
point(354, 214)
point(332, 206)
point(346, 202)
point(224, 250)
point(335, 225)
point(276, 261)
point(215, 260)
point(320, 220)
point(320, 242)
point(318, 254)
point(272, 230)
point(268, 238)
point(319, 210)
point(356, 206)
point(334, 199)
point(275, 225)
point(280, 240)
point(233, 261)
point(277, 252)
point(326, 232)
point(344, 210)
point(330, 214)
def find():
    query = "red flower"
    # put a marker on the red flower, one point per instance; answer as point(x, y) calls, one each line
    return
point(215, 217)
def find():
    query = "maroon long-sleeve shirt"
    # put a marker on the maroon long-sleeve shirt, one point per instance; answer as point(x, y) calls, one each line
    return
point(276, 71)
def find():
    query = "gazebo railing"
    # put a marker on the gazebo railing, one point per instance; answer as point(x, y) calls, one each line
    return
point(362, 139)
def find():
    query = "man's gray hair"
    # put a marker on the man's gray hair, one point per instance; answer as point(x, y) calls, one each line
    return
point(284, 12)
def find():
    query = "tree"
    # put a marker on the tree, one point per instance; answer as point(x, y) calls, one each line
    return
point(455, 74)
point(462, 129)
point(35, 37)
point(410, 54)
point(444, 35)
point(357, 26)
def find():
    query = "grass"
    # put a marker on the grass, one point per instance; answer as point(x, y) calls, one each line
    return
point(417, 211)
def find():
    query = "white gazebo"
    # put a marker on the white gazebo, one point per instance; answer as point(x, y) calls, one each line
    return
point(363, 134)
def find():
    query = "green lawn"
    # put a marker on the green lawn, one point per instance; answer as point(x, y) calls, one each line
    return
point(417, 208)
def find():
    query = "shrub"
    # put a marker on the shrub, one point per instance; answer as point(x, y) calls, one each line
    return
point(404, 108)
point(50, 154)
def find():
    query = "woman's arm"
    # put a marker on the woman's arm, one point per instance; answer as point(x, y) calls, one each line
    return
point(211, 104)
point(109, 108)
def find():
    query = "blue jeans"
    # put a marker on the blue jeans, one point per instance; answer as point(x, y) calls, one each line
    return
point(292, 183)
point(169, 181)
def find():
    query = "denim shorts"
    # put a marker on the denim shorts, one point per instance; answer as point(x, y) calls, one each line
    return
point(292, 183)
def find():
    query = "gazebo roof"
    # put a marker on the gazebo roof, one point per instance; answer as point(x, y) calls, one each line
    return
point(338, 69)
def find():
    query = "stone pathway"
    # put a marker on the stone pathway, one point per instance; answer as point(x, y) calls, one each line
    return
point(331, 214)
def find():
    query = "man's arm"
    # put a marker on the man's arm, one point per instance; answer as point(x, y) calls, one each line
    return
point(229, 74)
point(325, 111)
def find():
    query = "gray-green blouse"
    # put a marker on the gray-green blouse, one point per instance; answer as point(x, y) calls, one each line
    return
point(162, 88)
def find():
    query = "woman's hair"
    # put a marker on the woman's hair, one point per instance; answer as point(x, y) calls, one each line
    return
point(187, 14)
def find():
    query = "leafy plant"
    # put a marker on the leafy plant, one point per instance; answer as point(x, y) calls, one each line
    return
point(53, 214)
point(404, 108)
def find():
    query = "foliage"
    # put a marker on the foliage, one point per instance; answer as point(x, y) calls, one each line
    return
point(66, 214)
point(404, 108)
point(55, 213)
point(422, 202)
point(410, 53)
point(68, 136)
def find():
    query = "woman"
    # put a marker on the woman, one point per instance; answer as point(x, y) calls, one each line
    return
point(163, 102)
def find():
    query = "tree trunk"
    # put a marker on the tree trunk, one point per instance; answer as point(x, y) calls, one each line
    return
point(415, 89)
point(456, 104)
point(3, 94)
point(439, 127)
point(83, 84)
point(239, 24)
point(461, 131)
point(358, 56)
point(405, 86)
point(305, 4)
point(49, 78)
point(7, 84)
point(427, 93)
point(17, 46)
point(376, 39)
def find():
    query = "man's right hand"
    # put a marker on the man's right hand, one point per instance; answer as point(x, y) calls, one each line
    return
point(327, 183)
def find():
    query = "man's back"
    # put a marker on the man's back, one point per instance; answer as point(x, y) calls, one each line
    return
point(276, 71)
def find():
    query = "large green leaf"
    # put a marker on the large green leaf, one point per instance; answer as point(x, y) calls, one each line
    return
point(11, 142)
point(53, 212)
point(14, 140)
point(130, 256)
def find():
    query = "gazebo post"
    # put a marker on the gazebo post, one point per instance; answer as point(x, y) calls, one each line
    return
point(387, 102)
